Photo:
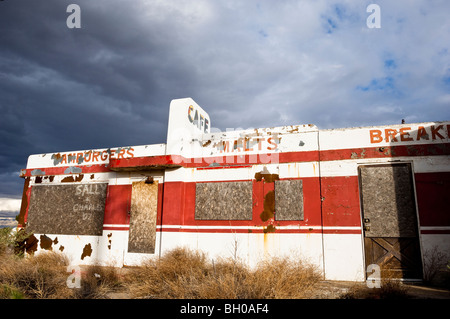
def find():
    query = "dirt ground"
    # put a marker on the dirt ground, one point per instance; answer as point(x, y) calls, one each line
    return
point(335, 290)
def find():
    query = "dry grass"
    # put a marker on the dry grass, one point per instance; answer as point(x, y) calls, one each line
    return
point(42, 276)
point(389, 289)
point(97, 282)
point(183, 273)
point(180, 273)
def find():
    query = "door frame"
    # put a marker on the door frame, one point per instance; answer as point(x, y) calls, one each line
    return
point(383, 162)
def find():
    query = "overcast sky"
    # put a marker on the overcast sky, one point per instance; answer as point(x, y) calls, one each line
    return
point(249, 64)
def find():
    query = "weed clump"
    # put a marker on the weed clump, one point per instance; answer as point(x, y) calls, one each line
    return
point(183, 273)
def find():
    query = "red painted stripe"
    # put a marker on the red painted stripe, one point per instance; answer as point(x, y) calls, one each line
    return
point(49, 171)
point(115, 228)
point(253, 159)
point(386, 151)
point(261, 231)
point(147, 161)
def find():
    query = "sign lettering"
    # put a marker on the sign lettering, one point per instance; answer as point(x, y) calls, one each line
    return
point(406, 134)
point(197, 119)
point(93, 156)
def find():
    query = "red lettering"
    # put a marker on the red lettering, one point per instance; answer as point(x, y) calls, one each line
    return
point(422, 132)
point(130, 152)
point(64, 159)
point(375, 136)
point(390, 133)
point(247, 144)
point(226, 146)
point(121, 153)
point(78, 157)
point(271, 142)
point(260, 140)
point(95, 156)
point(104, 156)
point(89, 154)
point(236, 146)
point(434, 132)
point(404, 136)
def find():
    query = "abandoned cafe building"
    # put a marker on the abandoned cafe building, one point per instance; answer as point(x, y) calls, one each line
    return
point(341, 199)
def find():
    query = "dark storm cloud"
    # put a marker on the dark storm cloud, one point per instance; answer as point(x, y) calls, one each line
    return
point(66, 89)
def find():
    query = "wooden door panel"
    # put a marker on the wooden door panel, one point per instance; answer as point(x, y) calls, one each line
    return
point(390, 223)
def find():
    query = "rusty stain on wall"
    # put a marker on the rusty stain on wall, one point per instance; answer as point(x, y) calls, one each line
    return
point(206, 143)
point(269, 206)
point(71, 179)
point(31, 244)
point(265, 174)
point(87, 251)
point(269, 229)
point(46, 242)
point(109, 240)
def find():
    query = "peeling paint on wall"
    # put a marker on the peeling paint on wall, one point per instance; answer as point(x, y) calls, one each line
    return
point(31, 244)
point(87, 251)
point(72, 179)
point(109, 240)
point(73, 170)
point(46, 242)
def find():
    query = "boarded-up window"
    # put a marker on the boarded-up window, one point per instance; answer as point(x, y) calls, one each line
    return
point(143, 211)
point(67, 209)
point(289, 200)
point(388, 200)
point(223, 201)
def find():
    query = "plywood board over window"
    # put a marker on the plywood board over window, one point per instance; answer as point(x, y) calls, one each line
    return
point(289, 200)
point(223, 201)
point(143, 211)
point(73, 209)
